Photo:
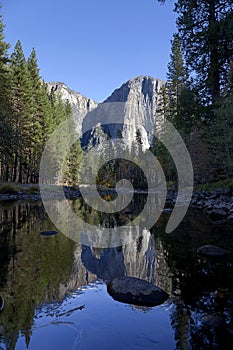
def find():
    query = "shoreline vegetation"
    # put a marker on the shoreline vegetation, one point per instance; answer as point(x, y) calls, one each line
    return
point(216, 198)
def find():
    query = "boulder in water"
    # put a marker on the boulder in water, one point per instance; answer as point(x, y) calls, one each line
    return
point(211, 251)
point(132, 290)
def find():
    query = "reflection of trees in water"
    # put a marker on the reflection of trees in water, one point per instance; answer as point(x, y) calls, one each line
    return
point(123, 217)
point(202, 313)
point(32, 267)
point(36, 269)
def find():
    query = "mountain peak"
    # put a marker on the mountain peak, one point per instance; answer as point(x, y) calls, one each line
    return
point(141, 85)
point(140, 93)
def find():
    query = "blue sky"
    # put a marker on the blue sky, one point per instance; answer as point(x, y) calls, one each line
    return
point(93, 46)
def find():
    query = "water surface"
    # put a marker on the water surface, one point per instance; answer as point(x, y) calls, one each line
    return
point(55, 293)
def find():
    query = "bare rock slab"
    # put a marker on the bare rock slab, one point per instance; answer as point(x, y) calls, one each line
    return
point(132, 290)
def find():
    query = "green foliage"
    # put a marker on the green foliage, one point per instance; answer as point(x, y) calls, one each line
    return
point(177, 72)
point(44, 264)
point(206, 31)
point(6, 133)
point(74, 158)
point(7, 188)
point(212, 186)
point(29, 113)
point(201, 109)
point(176, 103)
point(221, 137)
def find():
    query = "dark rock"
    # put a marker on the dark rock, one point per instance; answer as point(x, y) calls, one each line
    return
point(132, 290)
point(215, 195)
point(211, 251)
point(217, 214)
point(215, 320)
point(48, 233)
point(228, 192)
point(230, 218)
point(208, 203)
point(1, 302)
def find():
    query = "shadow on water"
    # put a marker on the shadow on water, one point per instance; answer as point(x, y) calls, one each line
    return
point(42, 272)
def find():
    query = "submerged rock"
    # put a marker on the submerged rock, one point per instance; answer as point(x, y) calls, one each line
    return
point(136, 291)
point(48, 233)
point(211, 251)
point(230, 218)
point(215, 320)
point(217, 214)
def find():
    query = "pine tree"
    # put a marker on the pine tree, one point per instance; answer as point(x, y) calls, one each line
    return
point(37, 115)
point(6, 133)
point(177, 75)
point(74, 158)
point(221, 134)
point(181, 98)
point(22, 113)
point(206, 30)
point(42, 116)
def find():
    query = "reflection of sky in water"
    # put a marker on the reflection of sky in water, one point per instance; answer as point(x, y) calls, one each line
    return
point(36, 269)
point(102, 324)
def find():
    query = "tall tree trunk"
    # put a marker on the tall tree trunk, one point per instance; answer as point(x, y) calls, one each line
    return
point(15, 168)
point(214, 72)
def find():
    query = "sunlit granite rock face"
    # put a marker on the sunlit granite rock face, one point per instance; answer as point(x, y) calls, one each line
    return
point(141, 97)
point(80, 104)
point(131, 109)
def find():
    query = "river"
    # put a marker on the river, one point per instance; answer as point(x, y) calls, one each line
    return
point(55, 294)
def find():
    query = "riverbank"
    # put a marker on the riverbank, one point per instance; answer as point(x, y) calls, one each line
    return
point(218, 203)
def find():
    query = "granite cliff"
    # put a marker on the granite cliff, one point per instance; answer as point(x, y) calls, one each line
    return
point(131, 109)
point(77, 101)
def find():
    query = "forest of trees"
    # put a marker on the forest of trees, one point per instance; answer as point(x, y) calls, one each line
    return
point(197, 99)
point(198, 96)
point(29, 113)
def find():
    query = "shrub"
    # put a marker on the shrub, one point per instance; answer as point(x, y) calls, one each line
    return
point(8, 188)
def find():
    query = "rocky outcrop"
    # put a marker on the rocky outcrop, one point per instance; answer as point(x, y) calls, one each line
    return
point(78, 102)
point(139, 100)
point(218, 205)
point(141, 97)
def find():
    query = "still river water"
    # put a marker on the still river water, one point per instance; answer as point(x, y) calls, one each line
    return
point(55, 294)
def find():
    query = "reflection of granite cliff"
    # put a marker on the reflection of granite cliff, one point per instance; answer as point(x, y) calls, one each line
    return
point(36, 269)
point(142, 258)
